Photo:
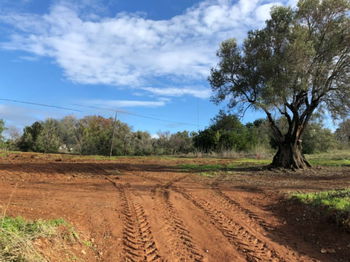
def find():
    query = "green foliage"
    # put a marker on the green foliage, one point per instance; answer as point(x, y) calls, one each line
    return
point(48, 141)
point(96, 135)
point(343, 133)
point(28, 141)
point(227, 133)
point(92, 135)
point(335, 199)
point(335, 202)
point(332, 158)
point(17, 236)
point(298, 62)
point(2, 129)
point(317, 139)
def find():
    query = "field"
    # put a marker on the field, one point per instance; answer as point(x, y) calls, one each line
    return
point(176, 209)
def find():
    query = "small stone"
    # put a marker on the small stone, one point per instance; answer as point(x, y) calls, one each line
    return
point(327, 250)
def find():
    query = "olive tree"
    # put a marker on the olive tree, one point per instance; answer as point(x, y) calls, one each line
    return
point(294, 66)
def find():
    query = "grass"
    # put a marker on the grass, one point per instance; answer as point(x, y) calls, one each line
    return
point(335, 202)
point(244, 162)
point(334, 158)
point(17, 237)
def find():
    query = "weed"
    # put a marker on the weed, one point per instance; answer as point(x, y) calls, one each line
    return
point(17, 237)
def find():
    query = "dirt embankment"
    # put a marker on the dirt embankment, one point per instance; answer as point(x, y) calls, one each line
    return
point(149, 210)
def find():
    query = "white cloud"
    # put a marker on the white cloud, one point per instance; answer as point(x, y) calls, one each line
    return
point(129, 50)
point(263, 12)
point(114, 104)
point(20, 116)
point(175, 91)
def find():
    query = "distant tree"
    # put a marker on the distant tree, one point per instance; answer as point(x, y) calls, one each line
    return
point(28, 141)
point(226, 132)
point(48, 141)
point(259, 134)
point(69, 135)
point(318, 139)
point(206, 140)
point(141, 143)
point(97, 132)
point(161, 143)
point(14, 136)
point(2, 129)
point(298, 63)
point(343, 133)
point(181, 143)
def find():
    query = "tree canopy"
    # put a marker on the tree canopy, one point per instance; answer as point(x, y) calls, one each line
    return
point(297, 64)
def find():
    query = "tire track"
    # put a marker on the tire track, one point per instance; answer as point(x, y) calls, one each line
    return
point(232, 204)
point(229, 203)
point(182, 243)
point(138, 241)
point(253, 248)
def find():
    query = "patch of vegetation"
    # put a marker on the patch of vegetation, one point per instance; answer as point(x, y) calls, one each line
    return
point(335, 158)
point(224, 167)
point(201, 167)
point(209, 174)
point(17, 237)
point(335, 202)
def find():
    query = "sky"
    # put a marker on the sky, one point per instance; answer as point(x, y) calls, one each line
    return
point(148, 59)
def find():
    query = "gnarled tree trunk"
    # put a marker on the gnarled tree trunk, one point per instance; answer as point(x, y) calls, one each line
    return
point(289, 155)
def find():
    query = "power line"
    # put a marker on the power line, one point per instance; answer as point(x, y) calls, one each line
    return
point(99, 108)
point(39, 104)
point(137, 115)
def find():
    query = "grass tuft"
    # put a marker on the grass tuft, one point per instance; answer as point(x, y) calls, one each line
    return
point(17, 236)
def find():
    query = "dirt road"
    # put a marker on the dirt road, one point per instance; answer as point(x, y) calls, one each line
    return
point(146, 210)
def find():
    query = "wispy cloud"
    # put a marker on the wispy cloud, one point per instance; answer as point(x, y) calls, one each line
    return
point(114, 104)
point(20, 116)
point(178, 91)
point(130, 50)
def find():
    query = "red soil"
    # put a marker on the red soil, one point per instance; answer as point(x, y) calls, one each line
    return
point(143, 209)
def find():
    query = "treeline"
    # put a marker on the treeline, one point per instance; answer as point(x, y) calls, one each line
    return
point(92, 135)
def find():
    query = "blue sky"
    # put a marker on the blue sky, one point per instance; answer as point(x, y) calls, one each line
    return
point(149, 57)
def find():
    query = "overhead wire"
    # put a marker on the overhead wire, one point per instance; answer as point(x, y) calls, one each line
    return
point(39, 104)
point(94, 107)
point(135, 114)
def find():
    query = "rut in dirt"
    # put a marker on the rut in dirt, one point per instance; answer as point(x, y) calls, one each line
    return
point(182, 243)
point(229, 203)
point(138, 241)
point(250, 246)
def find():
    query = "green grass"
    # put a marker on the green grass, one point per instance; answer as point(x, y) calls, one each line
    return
point(245, 162)
point(335, 202)
point(334, 199)
point(17, 236)
point(334, 158)
point(329, 162)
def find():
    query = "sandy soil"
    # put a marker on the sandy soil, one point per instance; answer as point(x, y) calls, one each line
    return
point(142, 209)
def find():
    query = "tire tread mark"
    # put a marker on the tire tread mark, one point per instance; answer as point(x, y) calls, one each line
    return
point(229, 203)
point(181, 238)
point(249, 245)
point(138, 241)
